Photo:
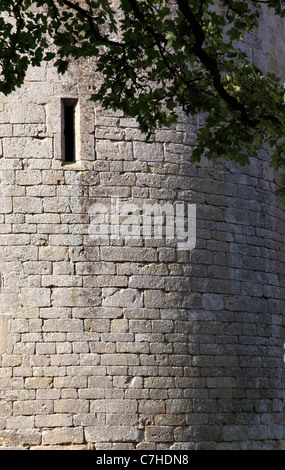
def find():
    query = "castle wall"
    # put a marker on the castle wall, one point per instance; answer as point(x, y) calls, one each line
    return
point(125, 343)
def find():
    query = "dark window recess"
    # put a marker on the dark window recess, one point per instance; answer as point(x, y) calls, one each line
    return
point(69, 133)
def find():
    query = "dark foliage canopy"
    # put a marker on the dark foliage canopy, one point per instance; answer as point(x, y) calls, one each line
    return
point(157, 56)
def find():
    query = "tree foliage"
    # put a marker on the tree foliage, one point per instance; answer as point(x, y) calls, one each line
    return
point(157, 56)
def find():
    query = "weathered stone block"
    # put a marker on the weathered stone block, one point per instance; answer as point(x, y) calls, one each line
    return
point(5, 205)
point(27, 112)
point(113, 297)
point(69, 405)
point(63, 436)
point(159, 434)
point(25, 147)
point(111, 434)
point(76, 297)
point(109, 150)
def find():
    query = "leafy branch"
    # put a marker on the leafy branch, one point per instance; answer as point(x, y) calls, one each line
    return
point(158, 56)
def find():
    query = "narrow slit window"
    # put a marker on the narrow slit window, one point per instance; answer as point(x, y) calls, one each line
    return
point(69, 132)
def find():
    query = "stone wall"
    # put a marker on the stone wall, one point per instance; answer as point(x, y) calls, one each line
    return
point(131, 343)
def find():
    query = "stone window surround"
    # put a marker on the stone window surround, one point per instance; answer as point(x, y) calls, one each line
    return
point(55, 127)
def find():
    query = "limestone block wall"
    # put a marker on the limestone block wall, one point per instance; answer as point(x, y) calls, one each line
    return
point(132, 343)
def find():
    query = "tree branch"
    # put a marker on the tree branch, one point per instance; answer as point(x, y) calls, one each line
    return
point(210, 62)
point(93, 27)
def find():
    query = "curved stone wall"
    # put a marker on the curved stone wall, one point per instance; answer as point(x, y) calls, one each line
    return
point(133, 343)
